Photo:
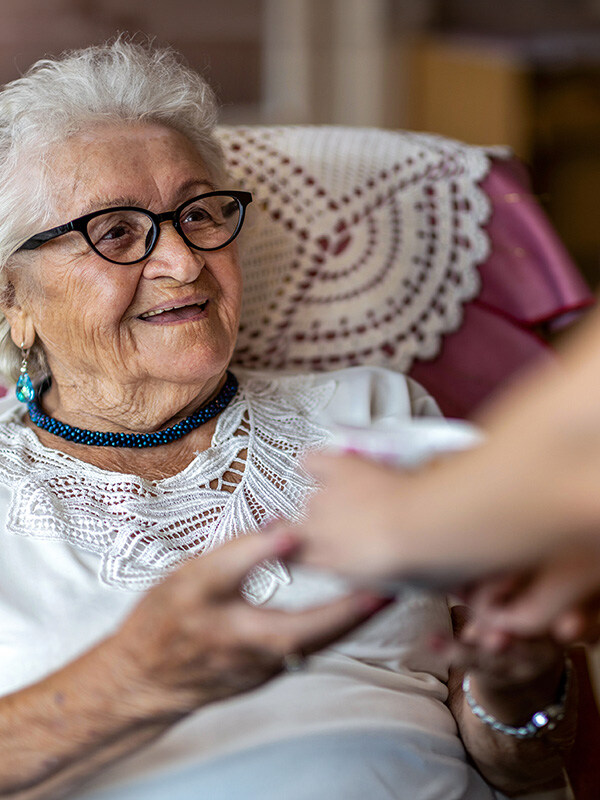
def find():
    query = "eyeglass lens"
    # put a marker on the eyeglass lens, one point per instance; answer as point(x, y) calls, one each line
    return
point(126, 236)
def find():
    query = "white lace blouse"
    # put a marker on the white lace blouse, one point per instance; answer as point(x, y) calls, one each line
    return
point(78, 544)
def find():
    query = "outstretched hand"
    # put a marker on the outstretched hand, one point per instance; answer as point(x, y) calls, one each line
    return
point(353, 524)
point(560, 597)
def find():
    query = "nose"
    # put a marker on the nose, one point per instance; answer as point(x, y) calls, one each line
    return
point(172, 258)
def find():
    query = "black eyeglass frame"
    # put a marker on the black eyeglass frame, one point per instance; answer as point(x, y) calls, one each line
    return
point(79, 225)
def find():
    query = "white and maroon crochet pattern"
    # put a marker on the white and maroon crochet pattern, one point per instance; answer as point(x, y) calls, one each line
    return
point(361, 245)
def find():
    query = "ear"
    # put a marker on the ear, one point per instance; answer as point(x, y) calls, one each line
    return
point(22, 329)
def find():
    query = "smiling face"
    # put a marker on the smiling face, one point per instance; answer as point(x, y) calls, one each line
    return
point(112, 333)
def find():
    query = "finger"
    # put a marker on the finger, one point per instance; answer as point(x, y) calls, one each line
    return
point(488, 640)
point(315, 628)
point(579, 623)
point(223, 570)
point(554, 590)
point(496, 590)
point(312, 629)
point(292, 531)
point(517, 662)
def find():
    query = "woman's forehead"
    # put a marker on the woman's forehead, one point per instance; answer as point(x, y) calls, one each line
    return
point(142, 165)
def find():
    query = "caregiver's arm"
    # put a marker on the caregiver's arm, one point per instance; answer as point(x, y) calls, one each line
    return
point(190, 641)
point(531, 486)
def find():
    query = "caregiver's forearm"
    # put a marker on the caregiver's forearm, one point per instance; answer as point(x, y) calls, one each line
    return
point(65, 728)
point(491, 508)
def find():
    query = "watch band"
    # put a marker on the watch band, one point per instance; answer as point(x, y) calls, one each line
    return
point(544, 720)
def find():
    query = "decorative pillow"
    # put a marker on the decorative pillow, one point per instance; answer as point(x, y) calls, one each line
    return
point(363, 245)
point(404, 250)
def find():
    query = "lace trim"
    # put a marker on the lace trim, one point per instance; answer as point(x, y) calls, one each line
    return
point(144, 529)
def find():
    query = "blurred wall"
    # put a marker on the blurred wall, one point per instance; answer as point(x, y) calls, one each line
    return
point(520, 72)
point(221, 38)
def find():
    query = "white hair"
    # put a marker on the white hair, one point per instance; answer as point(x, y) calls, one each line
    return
point(121, 81)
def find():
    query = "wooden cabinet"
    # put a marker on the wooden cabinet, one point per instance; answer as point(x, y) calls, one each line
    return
point(539, 96)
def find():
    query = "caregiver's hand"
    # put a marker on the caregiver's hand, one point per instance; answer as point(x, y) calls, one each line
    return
point(374, 522)
point(561, 597)
point(356, 523)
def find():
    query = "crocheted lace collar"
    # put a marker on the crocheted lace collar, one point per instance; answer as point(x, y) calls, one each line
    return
point(143, 529)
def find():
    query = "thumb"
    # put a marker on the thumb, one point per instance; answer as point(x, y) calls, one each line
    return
point(224, 569)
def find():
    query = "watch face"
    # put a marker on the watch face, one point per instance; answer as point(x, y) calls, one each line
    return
point(540, 719)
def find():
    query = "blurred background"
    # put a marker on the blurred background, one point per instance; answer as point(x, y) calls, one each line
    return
point(525, 73)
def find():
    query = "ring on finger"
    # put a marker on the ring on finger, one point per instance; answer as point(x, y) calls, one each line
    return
point(293, 662)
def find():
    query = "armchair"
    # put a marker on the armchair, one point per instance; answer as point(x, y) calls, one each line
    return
point(408, 251)
point(398, 249)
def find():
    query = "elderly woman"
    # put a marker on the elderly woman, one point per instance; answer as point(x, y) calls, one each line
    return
point(122, 671)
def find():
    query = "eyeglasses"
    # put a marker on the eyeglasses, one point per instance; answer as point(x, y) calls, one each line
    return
point(127, 235)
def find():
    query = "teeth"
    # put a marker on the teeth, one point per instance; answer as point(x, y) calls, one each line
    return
point(147, 314)
point(159, 311)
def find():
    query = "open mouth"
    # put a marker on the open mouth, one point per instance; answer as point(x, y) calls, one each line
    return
point(175, 313)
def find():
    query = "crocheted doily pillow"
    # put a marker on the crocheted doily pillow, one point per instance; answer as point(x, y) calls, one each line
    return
point(362, 244)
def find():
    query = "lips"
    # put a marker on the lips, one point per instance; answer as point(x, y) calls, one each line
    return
point(175, 313)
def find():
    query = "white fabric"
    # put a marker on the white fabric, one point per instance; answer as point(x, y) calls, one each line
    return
point(143, 529)
point(362, 245)
point(380, 682)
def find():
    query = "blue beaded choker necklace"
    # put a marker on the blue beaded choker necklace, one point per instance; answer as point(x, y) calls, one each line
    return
point(115, 439)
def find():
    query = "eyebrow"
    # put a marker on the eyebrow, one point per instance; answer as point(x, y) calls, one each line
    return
point(98, 203)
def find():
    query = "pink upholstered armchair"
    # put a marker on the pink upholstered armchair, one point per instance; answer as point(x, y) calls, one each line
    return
point(405, 250)
point(408, 251)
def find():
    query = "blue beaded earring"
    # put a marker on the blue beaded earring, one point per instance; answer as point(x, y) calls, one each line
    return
point(25, 391)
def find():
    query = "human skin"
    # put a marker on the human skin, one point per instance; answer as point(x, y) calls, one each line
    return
point(526, 499)
point(111, 369)
point(524, 504)
point(511, 677)
point(191, 640)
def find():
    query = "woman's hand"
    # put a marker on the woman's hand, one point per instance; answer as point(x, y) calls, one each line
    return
point(193, 639)
point(514, 676)
point(511, 679)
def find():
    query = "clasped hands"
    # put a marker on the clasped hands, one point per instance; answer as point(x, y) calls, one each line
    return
point(379, 526)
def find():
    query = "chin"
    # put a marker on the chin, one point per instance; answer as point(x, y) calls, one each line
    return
point(195, 359)
point(191, 372)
